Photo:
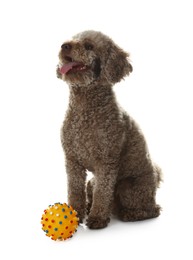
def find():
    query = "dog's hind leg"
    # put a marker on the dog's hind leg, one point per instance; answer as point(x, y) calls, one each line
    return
point(135, 198)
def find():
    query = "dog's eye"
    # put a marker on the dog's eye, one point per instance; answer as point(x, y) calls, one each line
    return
point(88, 46)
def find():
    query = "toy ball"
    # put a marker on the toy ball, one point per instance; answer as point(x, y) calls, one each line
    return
point(59, 221)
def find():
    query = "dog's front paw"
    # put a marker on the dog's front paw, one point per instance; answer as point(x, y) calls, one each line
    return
point(81, 215)
point(97, 222)
point(80, 212)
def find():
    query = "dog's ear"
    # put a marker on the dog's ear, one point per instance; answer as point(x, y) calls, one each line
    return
point(117, 65)
point(58, 73)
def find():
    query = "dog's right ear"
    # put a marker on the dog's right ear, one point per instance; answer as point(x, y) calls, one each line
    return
point(58, 73)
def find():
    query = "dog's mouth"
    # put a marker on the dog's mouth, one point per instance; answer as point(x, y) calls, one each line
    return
point(72, 66)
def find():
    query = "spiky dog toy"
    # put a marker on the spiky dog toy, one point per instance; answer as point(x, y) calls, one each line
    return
point(59, 221)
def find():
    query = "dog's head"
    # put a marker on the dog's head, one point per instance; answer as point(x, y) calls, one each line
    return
point(92, 56)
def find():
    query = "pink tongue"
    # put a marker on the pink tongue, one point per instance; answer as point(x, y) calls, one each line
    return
point(66, 67)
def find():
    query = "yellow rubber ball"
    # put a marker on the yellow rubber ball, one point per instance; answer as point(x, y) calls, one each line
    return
point(59, 221)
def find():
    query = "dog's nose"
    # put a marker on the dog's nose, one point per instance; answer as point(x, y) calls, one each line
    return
point(66, 47)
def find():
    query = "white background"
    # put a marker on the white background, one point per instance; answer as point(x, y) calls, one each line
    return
point(158, 94)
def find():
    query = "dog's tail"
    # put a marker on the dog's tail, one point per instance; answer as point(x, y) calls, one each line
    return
point(158, 174)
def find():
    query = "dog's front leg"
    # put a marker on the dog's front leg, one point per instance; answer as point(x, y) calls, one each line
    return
point(76, 175)
point(103, 192)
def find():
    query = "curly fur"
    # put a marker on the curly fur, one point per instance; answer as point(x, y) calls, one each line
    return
point(98, 136)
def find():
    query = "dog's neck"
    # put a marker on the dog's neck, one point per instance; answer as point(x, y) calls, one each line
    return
point(91, 96)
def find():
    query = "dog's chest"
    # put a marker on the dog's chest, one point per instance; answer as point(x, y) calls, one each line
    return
point(81, 136)
point(93, 135)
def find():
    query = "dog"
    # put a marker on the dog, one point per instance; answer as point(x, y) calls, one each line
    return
point(99, 137)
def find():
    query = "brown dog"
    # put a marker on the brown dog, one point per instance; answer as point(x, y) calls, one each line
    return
point(99, 137)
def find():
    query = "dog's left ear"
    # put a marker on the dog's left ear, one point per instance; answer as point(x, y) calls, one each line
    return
point(117, 66)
